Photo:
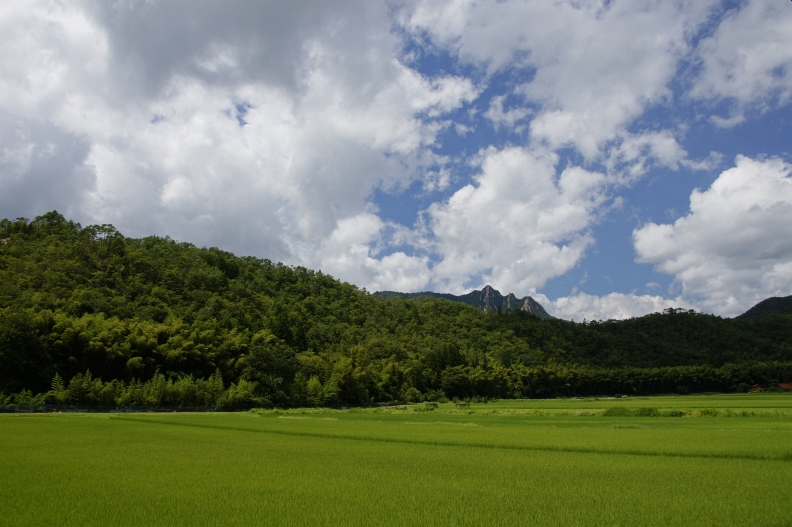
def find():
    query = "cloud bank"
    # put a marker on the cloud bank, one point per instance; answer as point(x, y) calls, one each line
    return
point(268, 128)
point(733, 246)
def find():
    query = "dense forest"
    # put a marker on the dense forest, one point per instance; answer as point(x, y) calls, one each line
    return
point(89, 316)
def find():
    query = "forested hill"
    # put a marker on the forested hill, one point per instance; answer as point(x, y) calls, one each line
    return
point(771, 306)
point(76, 299)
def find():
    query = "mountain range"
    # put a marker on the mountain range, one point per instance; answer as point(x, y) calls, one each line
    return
point(488, 300)
point(491, 300)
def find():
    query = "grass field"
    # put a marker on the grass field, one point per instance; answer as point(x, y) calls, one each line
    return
point(727, 461)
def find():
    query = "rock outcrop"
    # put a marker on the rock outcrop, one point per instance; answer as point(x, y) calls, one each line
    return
point(488, 299)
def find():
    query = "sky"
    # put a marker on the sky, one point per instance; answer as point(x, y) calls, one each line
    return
point(609, 158)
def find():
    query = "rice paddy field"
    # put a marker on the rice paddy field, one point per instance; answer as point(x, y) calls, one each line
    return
point(694, 460)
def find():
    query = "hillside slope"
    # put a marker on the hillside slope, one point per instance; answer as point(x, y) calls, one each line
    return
point(768, 307)
point(75, 299)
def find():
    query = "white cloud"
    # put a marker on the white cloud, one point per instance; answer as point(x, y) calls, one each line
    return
point(351, 251)
point(597, 65)
point(49, 51)
point(262, 127)
point(749, 57)
point(462, 130)
point(634, 154)
point(616, 306)
point(507, 118)
point(733, 248)
point(518, 226)
point(711, 162)
point(266, 128)
point(727, 122)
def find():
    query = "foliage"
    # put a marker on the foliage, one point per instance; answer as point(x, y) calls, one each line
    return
point(770, 306)
point(135, 320)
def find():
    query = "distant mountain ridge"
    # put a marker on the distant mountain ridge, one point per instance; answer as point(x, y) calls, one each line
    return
point(488, 299)
point(776, 305)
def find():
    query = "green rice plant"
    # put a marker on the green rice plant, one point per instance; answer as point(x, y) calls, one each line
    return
point(334, 467)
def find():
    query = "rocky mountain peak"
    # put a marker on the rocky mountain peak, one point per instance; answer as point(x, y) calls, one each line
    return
point(488, 299)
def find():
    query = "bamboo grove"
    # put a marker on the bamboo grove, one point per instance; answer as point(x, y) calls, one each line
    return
point(89, 316)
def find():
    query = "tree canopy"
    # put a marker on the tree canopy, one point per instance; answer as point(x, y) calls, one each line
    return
point(88, 302)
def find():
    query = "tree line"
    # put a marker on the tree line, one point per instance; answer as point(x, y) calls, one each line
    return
point(89, 303)
point(457, 382)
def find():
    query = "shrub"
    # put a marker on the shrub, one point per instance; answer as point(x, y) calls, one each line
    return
point(647, 412)
point(617, 411)
point(412, 395)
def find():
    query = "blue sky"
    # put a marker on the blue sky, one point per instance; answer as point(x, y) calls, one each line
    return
point(609, 158)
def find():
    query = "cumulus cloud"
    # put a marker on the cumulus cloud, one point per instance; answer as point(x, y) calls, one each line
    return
point(356, 243)
point(748, 59)
point(260, 127)
point(634, 154)
point(268, 128)
point(614, 306)
point(518, 225)
point(505, 118)
point(733, 248)
point(595, 65)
